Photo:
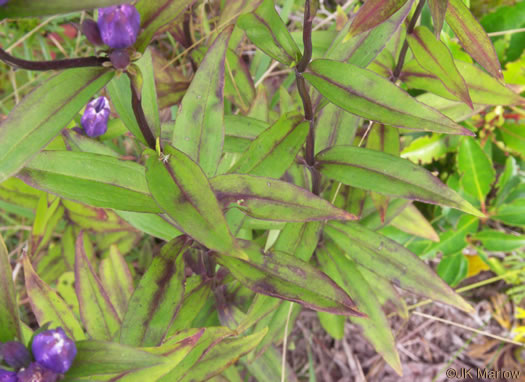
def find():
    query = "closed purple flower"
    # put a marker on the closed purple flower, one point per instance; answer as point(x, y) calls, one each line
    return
point(95, 118)
point(54, 350)
point(3, 2)
point(7, 376)
point(119, 25)
point(91, 31)
point(36, 373)
point(15, 354)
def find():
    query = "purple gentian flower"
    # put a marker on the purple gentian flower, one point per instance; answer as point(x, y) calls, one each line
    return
point(7, 376)
point(36, 373)
point(15, 354)
point(119, 25)
point(95, 118)
point(54, 350)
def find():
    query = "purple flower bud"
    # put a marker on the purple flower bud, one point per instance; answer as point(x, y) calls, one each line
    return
point(36, 373)
point(15, 354)
point(7, 376)
point(54, 350)
point(91, 31)
point(119, 25)
point(95, 118)
point(3, 2)
point(119, 58)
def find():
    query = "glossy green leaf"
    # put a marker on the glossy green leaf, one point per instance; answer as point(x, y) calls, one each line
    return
point(157, 298)
point(411, 221)
point(286, 277)
point(240, 132)
point(333, 127)
point(376, 171)
point(48, 306)
point(426, 149)
point(267, 198)
point(36, 120)
point(476, 169)
point(364, 93)
point(472, 37)
point(434, 56)
point(512, 213)
point(438, 9)
point(392, 261)
point(181, 188)
point(101, 181)
point(513, 135)
point(499, 241)
point(376, 328)
point(199, 127)
point(30, 8)
point(155, 14)
point(373, 13)
point(9, 315)
point(453, 268)
point(275, 149)
point(267, 31)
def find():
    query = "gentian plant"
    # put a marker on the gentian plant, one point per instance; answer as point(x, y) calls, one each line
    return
point(186, 210)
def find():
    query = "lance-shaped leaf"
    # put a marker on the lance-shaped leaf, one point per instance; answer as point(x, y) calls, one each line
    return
point(199, 128)
point(275, 149)
point(333, 127)
point(373, 13)
point(157, 298)
point(154, 14)
point(412, 221)
point(240, 132)
point(31, 8)
point(494, 240)
point(96, 310)
point(181, 188)
point(376, 327)
point(41, 115)
point(267, 198)
point(387, 174)
point(299, 239)
point(101, 358)
point(238, 86)
point(472, 37)
point(435, 57)
point(366, 94)
point(48, 306)
point(97, 180)
point(9, 316)
point(392, 261)
point(476, 168)
point(286, 277)
point(267, 31)
point(438, 9)
point(483, 88)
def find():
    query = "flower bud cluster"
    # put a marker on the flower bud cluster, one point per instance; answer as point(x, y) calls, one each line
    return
point(95, 117)
point(52, 351)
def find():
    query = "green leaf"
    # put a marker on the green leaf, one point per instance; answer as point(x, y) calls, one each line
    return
point(332, 324)
point(472, 37)
point(392, 261)
point(286, 277)
point(30, 8)
point(199, 127)
point(96, 310)
point(149, 92)
point(376, 171)
point(434, 56)
point(98, 180)
point(376, 327)
point(366, 94)
point(152, 224)
point(512, 213)
point(180, 187)
point(80, 142)
point(267, 31)
point(453, 268)
point(9, 316)
point(299, 239)
point(116, 279)
point(98, 358)
point(373, 13)
point(155, 14)
point(240, 132)
point(47, 305)
point(438, 9)
point(499, 241)
point(238, 87)
point(426, 149)
point(476, 169)
point(267, 198)
point(41, 115)
point(334, 127)
point(411, 221)
point(157, 298)
point(513, 135)
point(455, 110)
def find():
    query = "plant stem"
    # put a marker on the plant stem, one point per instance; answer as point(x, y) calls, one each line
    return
point(139, 114)
point(305, 96)
point(51, 65)
point(404, 49)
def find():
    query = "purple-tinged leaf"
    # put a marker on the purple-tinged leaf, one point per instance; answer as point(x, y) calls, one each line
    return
point(9, 315)
point(96, 310)
point(334, 126)
point(373, 13)
point(472, 37)
point(438, 9)
point(157, 298)
point(435, 57)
